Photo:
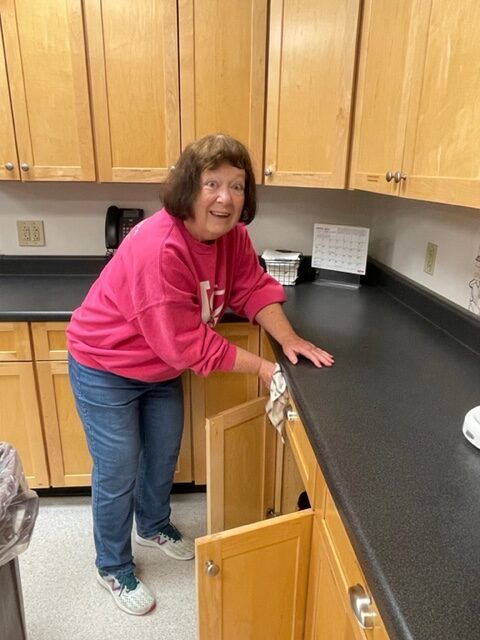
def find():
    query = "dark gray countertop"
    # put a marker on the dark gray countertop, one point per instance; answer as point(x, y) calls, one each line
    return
point(386, 425)
point(41, 298)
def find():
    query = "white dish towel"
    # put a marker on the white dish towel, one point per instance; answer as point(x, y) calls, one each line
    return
point(278, 401)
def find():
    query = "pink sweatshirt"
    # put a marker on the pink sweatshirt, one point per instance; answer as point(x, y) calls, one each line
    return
point(152, 311)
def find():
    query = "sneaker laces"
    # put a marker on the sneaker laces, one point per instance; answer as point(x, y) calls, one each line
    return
point(171, 531)
point(127, 581)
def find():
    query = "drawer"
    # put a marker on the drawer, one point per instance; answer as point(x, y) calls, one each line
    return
point(302, 451)
point(347, 569)
point(49, 340)
point(14, 341)
point(341, 543)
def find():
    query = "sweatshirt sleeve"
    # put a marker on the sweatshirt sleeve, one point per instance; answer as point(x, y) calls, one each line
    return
point(173, 328)
point(253, 288)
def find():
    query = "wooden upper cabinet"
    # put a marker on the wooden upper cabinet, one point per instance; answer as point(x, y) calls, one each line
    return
point(46, 65)
point(418, 101)
point(133, 55)
point(222, 71)
point(310, 77)
point(441, 148)
point(384, 85)
point(9, 169)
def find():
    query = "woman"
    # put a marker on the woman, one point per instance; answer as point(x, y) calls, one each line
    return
point(150, 316)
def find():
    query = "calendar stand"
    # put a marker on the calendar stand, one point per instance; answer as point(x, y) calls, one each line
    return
point(339, 255)
point(328, 278)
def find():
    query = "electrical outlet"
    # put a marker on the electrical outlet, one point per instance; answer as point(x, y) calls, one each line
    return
point(30, 233)
point(430, 257)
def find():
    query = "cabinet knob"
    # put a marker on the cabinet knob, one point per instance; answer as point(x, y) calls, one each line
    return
point(211, 569)
point(24, 166)
point(172, 167)
point(399, 176)
point(268, 172)
point(361, 605)
point(9, 166)
point(389, 176)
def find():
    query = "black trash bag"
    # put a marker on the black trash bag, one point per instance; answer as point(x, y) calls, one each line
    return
point(18, 505)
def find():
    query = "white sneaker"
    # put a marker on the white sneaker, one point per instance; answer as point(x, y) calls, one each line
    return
point(171, 542)
point(129, 593)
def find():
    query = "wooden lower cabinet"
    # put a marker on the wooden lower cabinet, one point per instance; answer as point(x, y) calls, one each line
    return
point(327, 612)
point(220, 391)
point(240, 466)
point(288, 577)
point(70, 462)
point(20, 423)
point(252, 580)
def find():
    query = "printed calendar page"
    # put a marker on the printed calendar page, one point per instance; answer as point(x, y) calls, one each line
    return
point(340, 248)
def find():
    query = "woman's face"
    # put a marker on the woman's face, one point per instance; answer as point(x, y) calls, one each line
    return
point(219, 203)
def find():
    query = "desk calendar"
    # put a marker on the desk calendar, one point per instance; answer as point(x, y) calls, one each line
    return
point(340, 248)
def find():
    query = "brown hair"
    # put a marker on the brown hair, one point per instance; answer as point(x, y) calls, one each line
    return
point(183, 183)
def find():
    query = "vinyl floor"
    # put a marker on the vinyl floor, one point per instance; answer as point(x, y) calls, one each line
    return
point(62, 599)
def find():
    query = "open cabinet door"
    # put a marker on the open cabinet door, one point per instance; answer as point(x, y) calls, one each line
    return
point(240, 466)
point(252, 581)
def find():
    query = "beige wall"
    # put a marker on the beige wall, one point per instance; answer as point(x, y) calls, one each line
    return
point(74, 215)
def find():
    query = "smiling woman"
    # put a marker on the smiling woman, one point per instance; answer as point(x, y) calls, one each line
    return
point(151, 315)
point(219, 203)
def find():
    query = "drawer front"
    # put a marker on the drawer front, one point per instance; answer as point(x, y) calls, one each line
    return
point(347, 569)
point(341, 542)
point(303, 452)
point(50, 340)
point(14, 342)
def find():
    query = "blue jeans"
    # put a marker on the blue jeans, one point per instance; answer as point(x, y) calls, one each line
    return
point(134, 430)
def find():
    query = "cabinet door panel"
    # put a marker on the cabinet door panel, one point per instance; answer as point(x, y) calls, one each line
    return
point(222, 66)
point(70, 462)
point(327, 617)
point(49, 340)
point(441, 150)
point(384, 82)
point(20, 419)
point(240, 466)
point(8, 148)
point(260, 589)
point(310, 78)
point(183, 470)
point(14, 341)
point(221, 391)
point(134, 76)
point(45, 53)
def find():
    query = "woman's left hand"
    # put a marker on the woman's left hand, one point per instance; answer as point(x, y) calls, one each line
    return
point(295, 346)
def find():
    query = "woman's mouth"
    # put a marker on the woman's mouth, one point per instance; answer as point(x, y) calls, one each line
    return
point(220, 214)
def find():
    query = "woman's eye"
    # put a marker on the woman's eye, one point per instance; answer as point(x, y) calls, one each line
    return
point(211, 184)
point(239, 187)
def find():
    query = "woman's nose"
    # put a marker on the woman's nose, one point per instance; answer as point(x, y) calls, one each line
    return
point(224, 194)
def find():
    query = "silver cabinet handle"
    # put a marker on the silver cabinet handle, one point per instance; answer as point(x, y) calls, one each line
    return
point(389, 176)
point(24, 166)
point(9, 166)
point(361, 605)
point(268, 172)
point(292, 415)
point(211, 569)
point(399, 176)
